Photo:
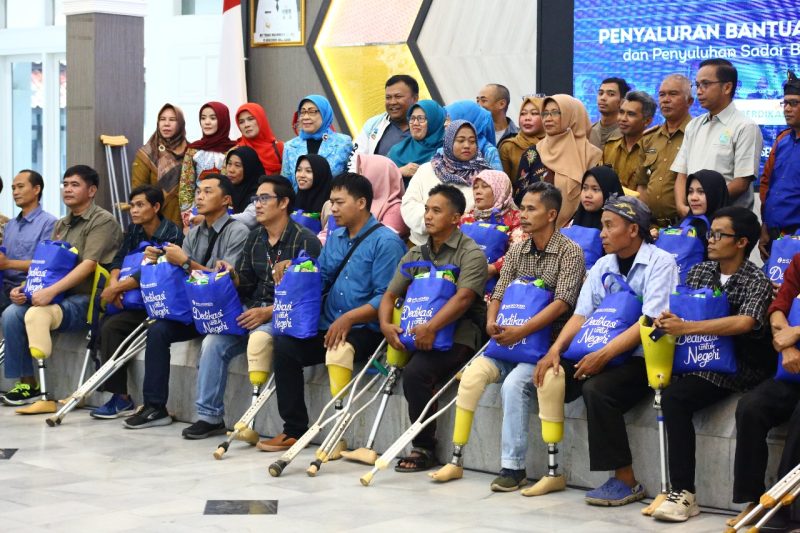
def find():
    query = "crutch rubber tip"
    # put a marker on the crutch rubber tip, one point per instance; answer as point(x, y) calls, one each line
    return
point(753, 529)
point(51, 421)
point(276, 468)
point(366, 479)
point(312, 470)
point(220, 452)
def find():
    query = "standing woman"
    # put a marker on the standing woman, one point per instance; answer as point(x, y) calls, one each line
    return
point(426, 124)
point(257, 134)
point(317, 137)
point(706, 193)
point(387, 189)
point(598, 184)
point(159, 161)
point(243, 167)
point(563, 156)
point(457, 165)
point(482, 121)
point(530, 132)
point(206, 155)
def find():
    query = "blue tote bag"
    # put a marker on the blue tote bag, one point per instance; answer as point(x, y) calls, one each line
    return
point(491, 237)
point(298, 299)
point(693, 353)
point(131, 264)
point(308, 220)
point(523, 299)
point(52, 260)
point(617, 312)
point(426, 295)
point(794, 320)
point(215, 303)
point(684, 245)
point(589, 241)
point(780, 255)
point(163, 288)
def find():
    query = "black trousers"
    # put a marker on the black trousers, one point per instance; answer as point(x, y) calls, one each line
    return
point(160, 336)
point(291, 355)
point(768, 405)
point(608, 396)
point(423, 372)
point(679, 402)
point(113, 331)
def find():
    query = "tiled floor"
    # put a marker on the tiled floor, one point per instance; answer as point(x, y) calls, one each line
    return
point(94, 476)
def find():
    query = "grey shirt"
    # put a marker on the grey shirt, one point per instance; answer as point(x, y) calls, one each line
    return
point(391, 136)
point(228, 247)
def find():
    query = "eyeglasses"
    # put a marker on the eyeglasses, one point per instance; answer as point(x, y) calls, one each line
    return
point(262, 198)
point(419, 119)
point(718, 235)
point(553, 114)
point(790, 103)
point(308, 112)
point(705, 84)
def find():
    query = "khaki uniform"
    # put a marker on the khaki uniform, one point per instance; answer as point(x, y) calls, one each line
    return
point(658, 153)
point(625, 163)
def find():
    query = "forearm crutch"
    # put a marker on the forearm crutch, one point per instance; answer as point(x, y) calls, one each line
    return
point(659, 353)
point(382, 462)
point(2, 351)
point(277, 468)
point(246, 421)
point(781, 494)
point(126, 351)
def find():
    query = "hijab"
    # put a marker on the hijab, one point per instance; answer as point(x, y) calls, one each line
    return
point(521, 139)
point(451, 170)
point(609, 184)
point(252, 171)
point(409, 150)
point(501, 189)
point(219, 140)
point(268, 148)
point(166, 155)
point(325, 111)
point(386, 180)
point(715, 188)
point(480, 119)
point(312, 200)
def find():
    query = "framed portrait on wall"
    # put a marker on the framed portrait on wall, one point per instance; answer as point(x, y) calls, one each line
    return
point(277, 22)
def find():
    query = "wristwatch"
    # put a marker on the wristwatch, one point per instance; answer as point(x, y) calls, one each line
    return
point(187, 266)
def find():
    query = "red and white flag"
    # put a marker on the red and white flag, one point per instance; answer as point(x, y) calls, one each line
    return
point(232, 82)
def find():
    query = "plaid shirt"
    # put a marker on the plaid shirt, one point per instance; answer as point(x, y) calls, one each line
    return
point(256, 286)
point(560, 265)
point(749, 293)
point(166, 231)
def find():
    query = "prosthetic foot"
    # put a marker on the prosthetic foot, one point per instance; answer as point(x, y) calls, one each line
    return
point(365, 456)
point(551, 413)
point(259, 366)
point(39, 322)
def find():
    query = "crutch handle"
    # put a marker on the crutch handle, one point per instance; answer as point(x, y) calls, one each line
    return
point(114, 140)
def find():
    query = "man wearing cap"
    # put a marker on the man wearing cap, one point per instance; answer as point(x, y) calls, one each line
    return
point(609, 392)
point(780, 182)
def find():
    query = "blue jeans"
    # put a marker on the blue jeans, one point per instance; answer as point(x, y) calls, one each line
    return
point(212, 377)
point(516, 391)
point(19, 362)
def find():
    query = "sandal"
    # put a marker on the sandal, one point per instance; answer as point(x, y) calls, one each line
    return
point(423, 460)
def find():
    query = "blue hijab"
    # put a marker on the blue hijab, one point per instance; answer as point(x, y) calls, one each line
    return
point(325, 110)
point(478, 117)
point(410, 150)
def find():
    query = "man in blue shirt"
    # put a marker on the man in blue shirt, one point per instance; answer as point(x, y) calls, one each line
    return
point(348, 325)
point(23, 232)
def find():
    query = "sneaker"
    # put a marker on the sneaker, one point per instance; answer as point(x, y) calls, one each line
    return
point(202, 430)
point(509, 480)
point(148, 417)
point(115, 407)
point(614, 492)
point(22, 394)
point(276, 444)
point(679, 506)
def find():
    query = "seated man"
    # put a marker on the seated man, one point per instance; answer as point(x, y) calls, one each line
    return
point(771, 403)
point(609, 392)
point(269, 248)
point(734, 234)
point(446, 246)
point(96, 235)
point(147, 225)
point(218, 238)
point(348, 326)
point(23, 232)
point(558, 262)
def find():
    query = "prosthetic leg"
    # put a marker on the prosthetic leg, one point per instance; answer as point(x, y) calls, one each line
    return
point(259, 365)
point(339, 361)
point(551, 413)
point(419, 424)
point(277, 468)
point(473, 382)
point(396, 359)
point(659, 351)
point(39, 322)
point(126, 351)
point(781, 494)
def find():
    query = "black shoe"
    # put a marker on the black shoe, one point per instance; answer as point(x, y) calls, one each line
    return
point(202, 430)
point(509, 480)
point(148, 417)
point(22, 394)
point(779, 521)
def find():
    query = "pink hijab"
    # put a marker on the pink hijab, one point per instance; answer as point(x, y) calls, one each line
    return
point(386, 180)
point(501, 189)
